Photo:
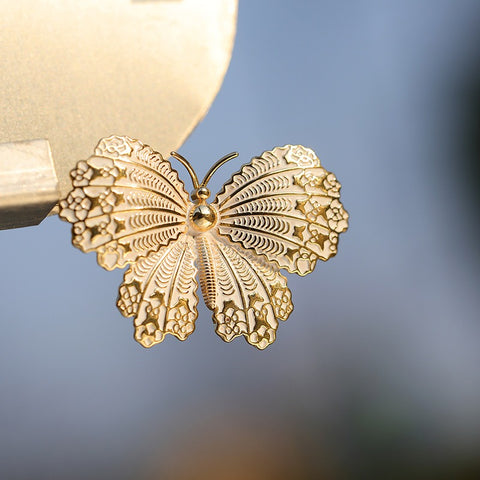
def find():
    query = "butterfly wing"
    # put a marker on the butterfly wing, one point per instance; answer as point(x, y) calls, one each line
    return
point(126, 201)
point(159, 290)
point(285, 206)
point(247, 295)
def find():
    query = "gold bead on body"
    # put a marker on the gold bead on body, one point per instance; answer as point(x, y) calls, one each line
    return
point(203, 217)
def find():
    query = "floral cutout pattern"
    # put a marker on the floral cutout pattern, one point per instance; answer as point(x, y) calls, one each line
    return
point(304, 216)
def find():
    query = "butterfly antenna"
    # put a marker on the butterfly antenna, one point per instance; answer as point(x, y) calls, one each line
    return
point(216, 166)
point(189, 168)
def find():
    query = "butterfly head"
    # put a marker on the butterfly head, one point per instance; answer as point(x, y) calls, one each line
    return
point(200, 194)
point(203, 216)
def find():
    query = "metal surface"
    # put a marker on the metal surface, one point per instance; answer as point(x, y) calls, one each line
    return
point(282, 210)
point(28, 183)
point(76, 70)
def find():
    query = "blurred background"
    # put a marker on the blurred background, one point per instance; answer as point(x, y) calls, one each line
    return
point(376, 375)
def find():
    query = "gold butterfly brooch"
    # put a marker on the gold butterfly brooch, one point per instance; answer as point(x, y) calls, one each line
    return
point(281, 210)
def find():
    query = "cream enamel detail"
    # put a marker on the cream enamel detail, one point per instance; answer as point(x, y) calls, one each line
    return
point(282, 210)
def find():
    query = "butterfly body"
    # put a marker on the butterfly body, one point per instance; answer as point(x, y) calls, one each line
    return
point(282, 210)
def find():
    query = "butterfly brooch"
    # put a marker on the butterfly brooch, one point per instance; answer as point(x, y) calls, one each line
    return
point(280, 211)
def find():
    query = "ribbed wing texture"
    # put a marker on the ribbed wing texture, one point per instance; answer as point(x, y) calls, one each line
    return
point(159, 290)
point(285, 206)
point(247, 295)
point(126, 202)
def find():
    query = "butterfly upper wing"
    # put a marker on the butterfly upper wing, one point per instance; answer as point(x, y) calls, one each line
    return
point(126, 201)
point(247, 295)
point(285, 206)
point(159, 290)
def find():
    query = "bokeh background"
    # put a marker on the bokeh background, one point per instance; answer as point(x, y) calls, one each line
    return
point(376, 375)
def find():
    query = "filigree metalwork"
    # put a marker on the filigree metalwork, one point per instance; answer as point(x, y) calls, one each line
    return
point(282, 210)
point(285, 207)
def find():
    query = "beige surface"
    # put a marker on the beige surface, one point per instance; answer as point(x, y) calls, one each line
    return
point(28, 183)
point(73, 71)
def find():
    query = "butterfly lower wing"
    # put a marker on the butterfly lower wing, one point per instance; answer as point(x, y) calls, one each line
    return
point(247, 295)
point(285, 206)
point(126, 201)
point(160, 291)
